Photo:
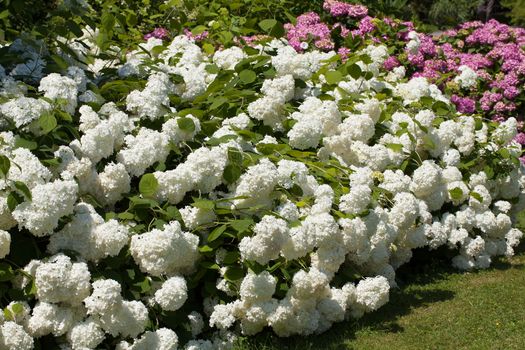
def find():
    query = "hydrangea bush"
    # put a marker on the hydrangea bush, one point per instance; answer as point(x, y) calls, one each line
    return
point(166, 197)
point(481, 65)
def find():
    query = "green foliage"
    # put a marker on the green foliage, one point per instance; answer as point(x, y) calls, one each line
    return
point(516, 11)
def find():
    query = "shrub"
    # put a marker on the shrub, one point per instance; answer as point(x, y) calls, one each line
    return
point(255, 187)
point(183, 190)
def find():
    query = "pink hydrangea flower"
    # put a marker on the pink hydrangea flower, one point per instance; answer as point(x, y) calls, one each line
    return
point(197, 37)
point(159, 33)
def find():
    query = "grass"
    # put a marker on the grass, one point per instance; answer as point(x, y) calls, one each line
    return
point(435, 307)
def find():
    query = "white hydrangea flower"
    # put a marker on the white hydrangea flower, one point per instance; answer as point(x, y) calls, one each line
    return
point(165, 251)
point(27, 168)
point(129, 319)
point(257, 288)
point(194, 217)
point(196, 323)
point(300, 66)
point(60, 280)
point(49, 203)
point(282, 88)
point(356, 200)
point(23, 110)
point(5, 243)
point(105, 296)
point(161, 339)
point(14, 337)
point(505, 131)
point(269, 236)
point(114, 183)
point(426, 179)
point(173, 294)
point(256, 183)
point(89, 235)
point(222, 316)
point(49, 318)
point(112, 313)
point(468, 77)
point(143, 150)
point(56, 86)
point(152, 102)
point(269, 109)
point(100, 141)
point(228, 58)
point(85, 335)
point(175, 134)
point(416, 88)
point(372, 293)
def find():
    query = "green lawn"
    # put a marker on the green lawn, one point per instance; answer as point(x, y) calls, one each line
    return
point(435, 308)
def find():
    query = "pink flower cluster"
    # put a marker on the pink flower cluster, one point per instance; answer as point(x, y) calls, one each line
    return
point(338, 8)
point(493, 50)
point(309, 29)
point(196, 37)
point(159, 33)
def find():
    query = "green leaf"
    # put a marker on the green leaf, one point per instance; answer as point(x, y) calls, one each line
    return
point(5, 165)
point(186, 124)
point(19, 185)
point(203, 203)
point(504, 153)
point(209, 265)
point(233, 273)
point(126, 216)
point(217, 102)
point(148, 185)
point(17, 308)
point(21, 142)
point(212, 69)
point(241, 225)
point(456, 193)
point(396, 147)
point(267, 24)
point(47, 122)
point(477, 196)
point(478, 123)
point(108, 21)
point(428, 142)
point(333, 77)
point(205, 249)
point(296, 190)
point(14, 199)
point(61, 63)
point(247, 76)
point(441, 108)
point(64, 116)
point(6, 272)
point(173, 213)
point(217, 141)
point(489, 171)
point(131, 19)
point(232, 172)
point(231, 257)
point(234, 156)
point(216, 233)
point(209, 49)
point(354, 70)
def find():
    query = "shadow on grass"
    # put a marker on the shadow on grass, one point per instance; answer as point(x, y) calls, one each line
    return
point(384, 320)
point(414, 290)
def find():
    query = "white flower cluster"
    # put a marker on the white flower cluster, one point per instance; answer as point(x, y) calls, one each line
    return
point(89, 236)
point(468, 77)
point(49, 203)
point(319, 180)
point(165, 251)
